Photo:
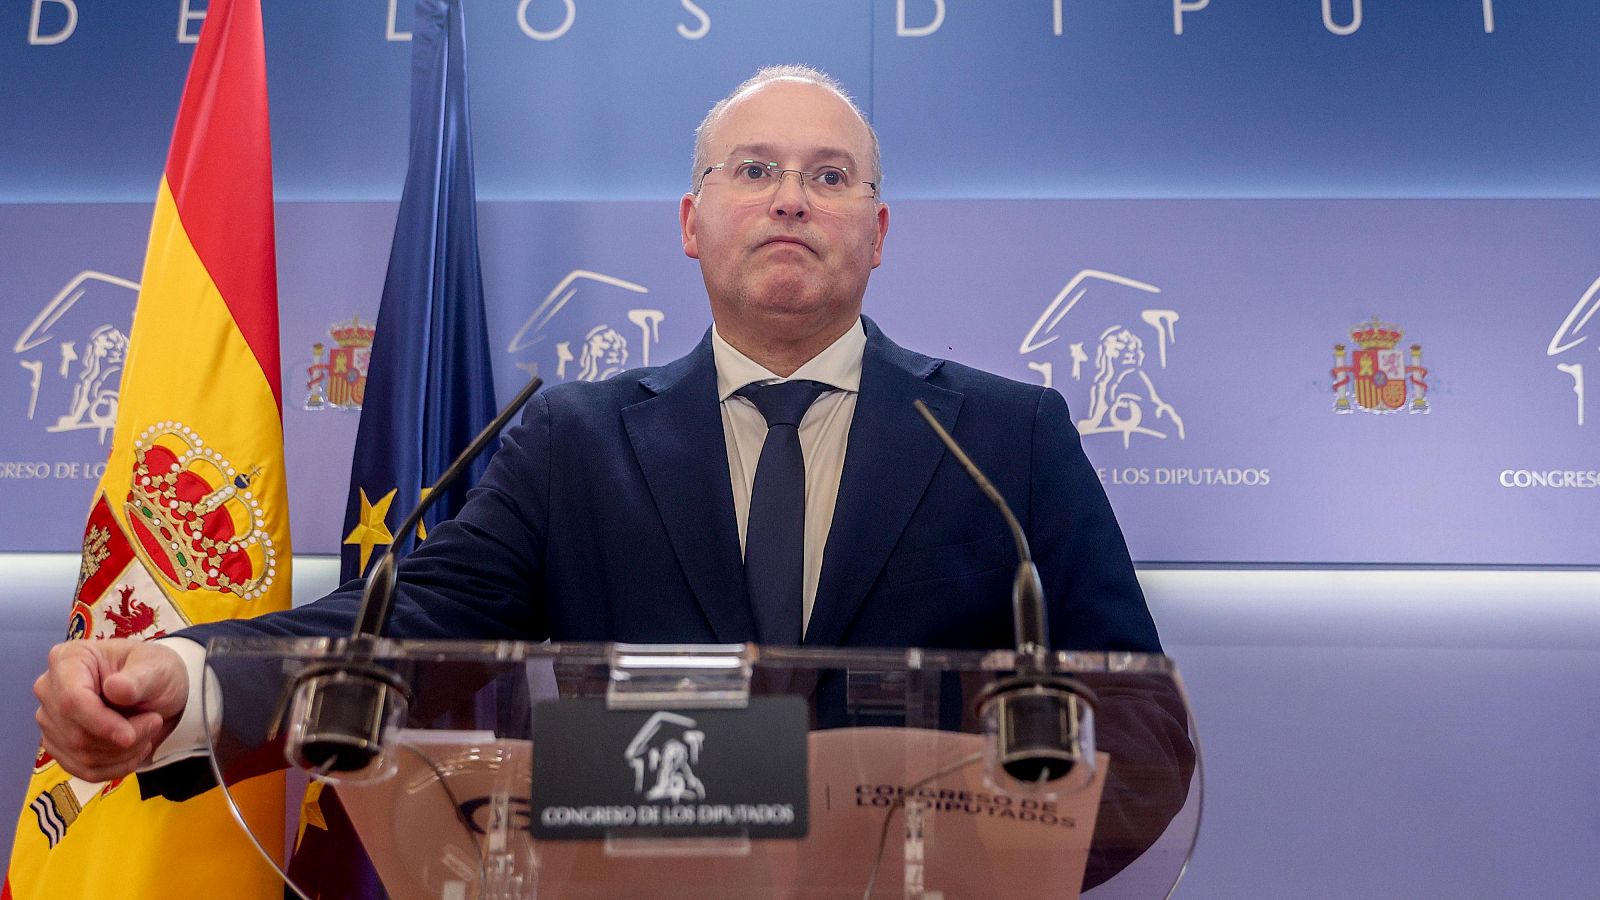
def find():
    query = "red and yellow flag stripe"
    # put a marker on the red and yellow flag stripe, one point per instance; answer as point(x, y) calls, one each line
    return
point(190, 521)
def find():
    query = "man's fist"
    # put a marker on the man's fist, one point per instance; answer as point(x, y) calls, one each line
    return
point(104, 706)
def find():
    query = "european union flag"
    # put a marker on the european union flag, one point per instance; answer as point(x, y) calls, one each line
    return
point(429, 387)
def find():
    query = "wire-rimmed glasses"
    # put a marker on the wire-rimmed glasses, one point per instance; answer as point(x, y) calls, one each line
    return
point(759, 178)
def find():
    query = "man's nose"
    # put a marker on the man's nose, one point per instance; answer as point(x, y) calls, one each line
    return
point(790, 198)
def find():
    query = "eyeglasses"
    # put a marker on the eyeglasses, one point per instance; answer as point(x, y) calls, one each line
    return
point(755, 178)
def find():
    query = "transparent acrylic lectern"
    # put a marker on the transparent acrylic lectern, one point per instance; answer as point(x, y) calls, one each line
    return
point(665, 771)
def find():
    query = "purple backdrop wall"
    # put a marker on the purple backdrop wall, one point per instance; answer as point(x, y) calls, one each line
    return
point(1194, 340)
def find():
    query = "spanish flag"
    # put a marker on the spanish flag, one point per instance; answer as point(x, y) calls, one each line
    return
point(190, 522)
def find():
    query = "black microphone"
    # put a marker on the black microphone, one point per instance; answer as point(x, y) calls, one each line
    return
point(1041, 722)
point(340, 709)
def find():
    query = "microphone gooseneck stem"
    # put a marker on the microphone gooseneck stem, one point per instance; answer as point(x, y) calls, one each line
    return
point(1037, 726)
point(1027, 592)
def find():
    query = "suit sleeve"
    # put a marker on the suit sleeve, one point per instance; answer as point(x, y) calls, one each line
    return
point(477, 575)
point(1095, 602)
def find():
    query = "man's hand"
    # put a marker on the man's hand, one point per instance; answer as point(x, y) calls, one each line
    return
point(104, 706)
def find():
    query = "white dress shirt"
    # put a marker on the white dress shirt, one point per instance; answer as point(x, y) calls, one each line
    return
point(824, 432)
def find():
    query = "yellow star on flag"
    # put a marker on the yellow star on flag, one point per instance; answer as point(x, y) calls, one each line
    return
point(371, 530)
point(422, 528)
point(311, 811)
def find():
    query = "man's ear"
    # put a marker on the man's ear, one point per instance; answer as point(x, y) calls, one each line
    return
point(688, 208)
point(883, 232)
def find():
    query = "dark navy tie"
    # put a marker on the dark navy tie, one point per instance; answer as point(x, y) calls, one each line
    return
point(774, 542)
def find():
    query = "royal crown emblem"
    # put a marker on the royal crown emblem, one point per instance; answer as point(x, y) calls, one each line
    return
point(1384, 377)
point(340, 381)
point(195, 515)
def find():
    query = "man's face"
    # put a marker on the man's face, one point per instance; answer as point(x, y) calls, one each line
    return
point(780, 267)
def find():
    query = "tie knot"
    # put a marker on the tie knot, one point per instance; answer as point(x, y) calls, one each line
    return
point(785, 402)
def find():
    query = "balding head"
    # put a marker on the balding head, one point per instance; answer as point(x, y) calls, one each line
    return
point(768, 75)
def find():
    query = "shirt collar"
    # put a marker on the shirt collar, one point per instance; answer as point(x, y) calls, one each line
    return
point(839, 365)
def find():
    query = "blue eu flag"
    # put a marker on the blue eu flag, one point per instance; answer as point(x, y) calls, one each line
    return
point(429, 388)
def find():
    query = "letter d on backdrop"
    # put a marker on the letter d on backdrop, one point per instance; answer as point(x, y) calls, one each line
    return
point(37, 39)
point(900, 28)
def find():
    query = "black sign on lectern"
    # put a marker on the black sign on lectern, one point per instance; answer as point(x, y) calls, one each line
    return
point(690, 773)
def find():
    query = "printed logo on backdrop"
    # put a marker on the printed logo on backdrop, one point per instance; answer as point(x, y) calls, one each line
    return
point(1569, 336)
point(588, 328)
point(1106, 343)
point(73, 351)
point(337, 376)
point(1117, 384)
point(1379, 375)
point(663, 755)
point(1564, 347)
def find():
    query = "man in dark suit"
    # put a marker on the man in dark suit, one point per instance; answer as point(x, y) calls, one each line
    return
point(641, 508)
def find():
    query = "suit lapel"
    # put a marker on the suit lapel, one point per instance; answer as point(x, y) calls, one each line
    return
point(890, 458)
point(677, 438)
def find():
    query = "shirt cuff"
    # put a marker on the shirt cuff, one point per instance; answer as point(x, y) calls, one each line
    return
point(189, 738)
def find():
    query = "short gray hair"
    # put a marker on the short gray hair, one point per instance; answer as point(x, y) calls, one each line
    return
point(767, 75)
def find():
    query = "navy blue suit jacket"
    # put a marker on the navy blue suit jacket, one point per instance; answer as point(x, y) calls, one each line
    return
point(607, 515)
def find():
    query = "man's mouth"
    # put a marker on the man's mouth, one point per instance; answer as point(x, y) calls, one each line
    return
point(786, 239)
